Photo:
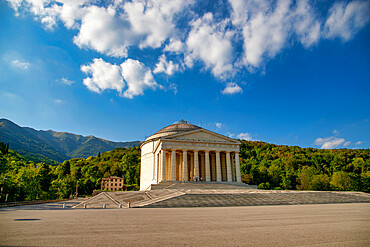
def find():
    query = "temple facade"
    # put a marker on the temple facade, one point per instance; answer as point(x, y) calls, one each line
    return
point(186, 152)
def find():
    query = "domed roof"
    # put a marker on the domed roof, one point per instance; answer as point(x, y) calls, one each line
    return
point(176, 128)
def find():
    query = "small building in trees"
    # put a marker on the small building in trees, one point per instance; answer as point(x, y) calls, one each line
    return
point(112, 183)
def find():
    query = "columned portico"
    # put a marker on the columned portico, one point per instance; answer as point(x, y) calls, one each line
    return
point(198, 165)
point(194, 154)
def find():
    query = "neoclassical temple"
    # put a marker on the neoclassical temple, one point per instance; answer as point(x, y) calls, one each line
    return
point(184, 151)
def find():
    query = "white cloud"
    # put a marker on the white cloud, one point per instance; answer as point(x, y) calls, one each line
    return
point(19, 64)
point(175, 46)
point(359, 142)
point(329, 142)
point(46, 16)
point(266, 27)
point(305, 23)
point(345, 20)
point(103, 76)
point(112, 28)
point(58, 101)
point(210, 42)
point(66, 81)
point(263, 27)
point(218, 125)
point(104, 31)
point(152, 19)
point(71, 12)
point(245, 136)
point(232, 88)
point(346, 144)
point(164, 66)
point(138, 78)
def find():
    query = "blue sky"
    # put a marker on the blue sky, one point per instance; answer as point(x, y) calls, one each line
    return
point(284, 72)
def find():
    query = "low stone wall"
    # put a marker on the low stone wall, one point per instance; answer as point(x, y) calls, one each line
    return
point(13, 204)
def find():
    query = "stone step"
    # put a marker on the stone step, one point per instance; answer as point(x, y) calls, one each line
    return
point(201, 185)
point(258, 199)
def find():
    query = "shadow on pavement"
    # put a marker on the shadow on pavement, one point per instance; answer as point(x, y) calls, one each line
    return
point(26, 219)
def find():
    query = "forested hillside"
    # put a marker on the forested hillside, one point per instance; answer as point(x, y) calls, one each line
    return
point(290, 167)
point(23, 180)
point(50, 146)
point(267, 165)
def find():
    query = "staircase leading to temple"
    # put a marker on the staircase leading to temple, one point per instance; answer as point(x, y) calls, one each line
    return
point(170, 194)
point(258, 199)
point(202, 186)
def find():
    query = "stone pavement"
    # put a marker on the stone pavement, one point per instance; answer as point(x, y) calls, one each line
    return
point(292, 225)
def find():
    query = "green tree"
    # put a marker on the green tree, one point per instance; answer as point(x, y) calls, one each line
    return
point(65, 168)
point(341, 181)
point(131, 167)
point(305, 178)
point(44, 176)
point(320, 182)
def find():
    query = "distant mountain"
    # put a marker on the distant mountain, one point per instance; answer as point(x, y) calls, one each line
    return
point(41, 145)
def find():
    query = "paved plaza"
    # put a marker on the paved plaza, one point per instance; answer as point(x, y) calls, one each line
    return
point(287, 225)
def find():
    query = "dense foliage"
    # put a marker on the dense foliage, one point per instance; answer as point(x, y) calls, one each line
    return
point(23, 180)
point(289, 167)
point(267, 165)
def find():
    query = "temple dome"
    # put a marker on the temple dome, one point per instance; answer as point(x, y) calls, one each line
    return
point(176, 128)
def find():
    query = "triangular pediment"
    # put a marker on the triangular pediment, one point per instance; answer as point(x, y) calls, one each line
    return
point(202, 135)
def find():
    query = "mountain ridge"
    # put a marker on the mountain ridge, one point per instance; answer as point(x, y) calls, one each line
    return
point(41, 145)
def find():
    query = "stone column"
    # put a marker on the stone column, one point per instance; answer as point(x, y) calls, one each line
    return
point(202, 167)
point(218, 167)
point(233, 167)
point(173, 165)
point(163, 165)
point(191, 165)
point(228, 167)
point(181, 164)
point(196, 165)
point(208, 167)
point(237, 167)
point(185, 165)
